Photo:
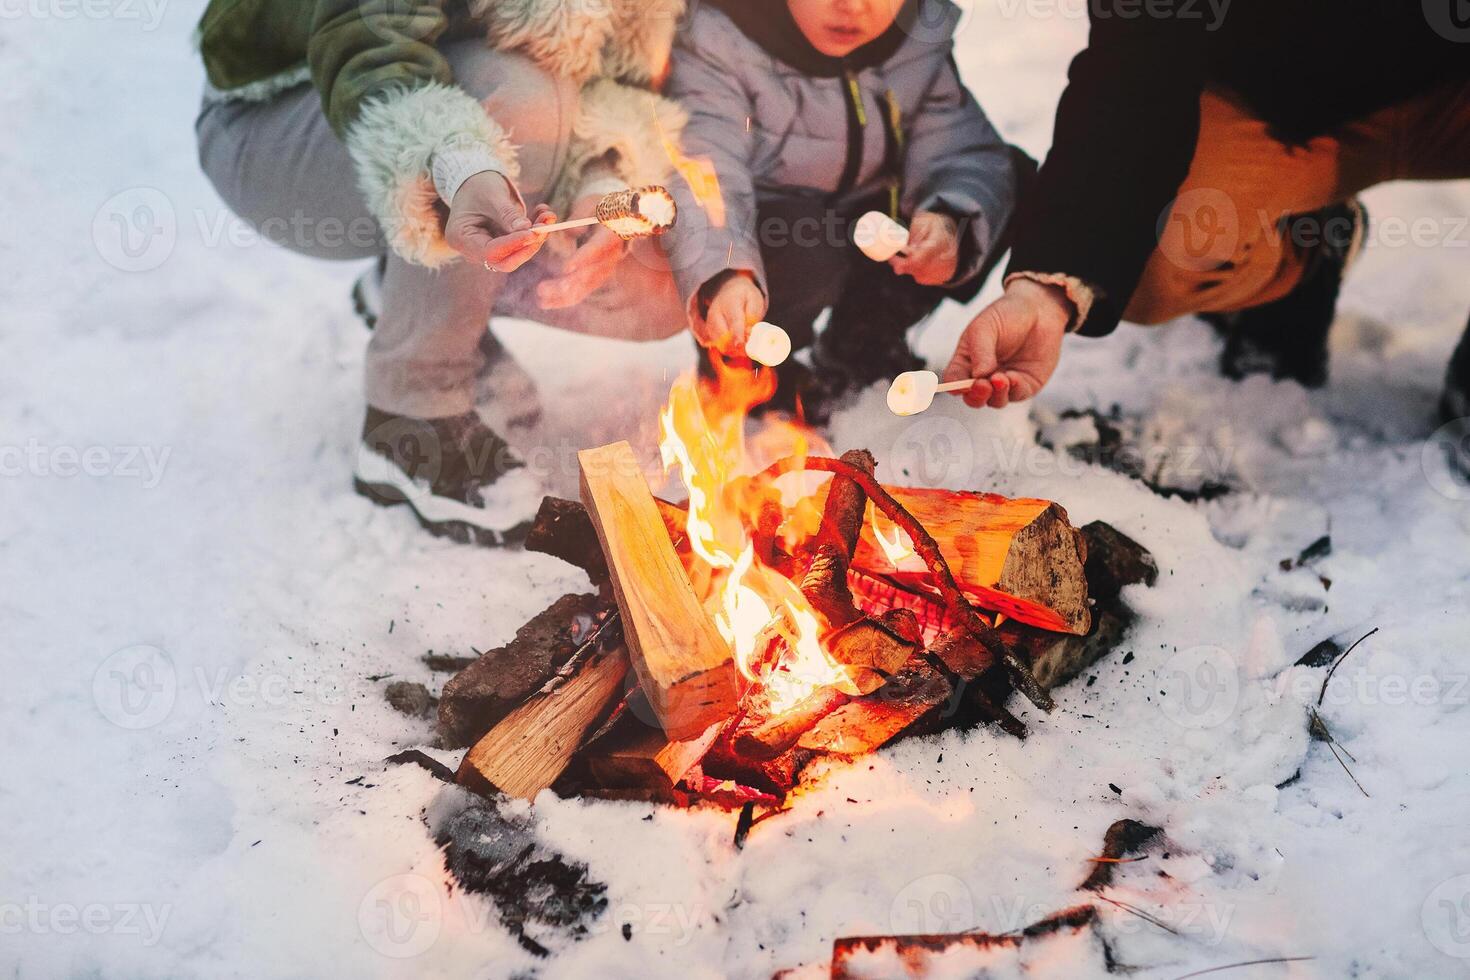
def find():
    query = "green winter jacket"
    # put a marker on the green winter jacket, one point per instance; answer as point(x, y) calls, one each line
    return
point(390, 95)
point(353, 48)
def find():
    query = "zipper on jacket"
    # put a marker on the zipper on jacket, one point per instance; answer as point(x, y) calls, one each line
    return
point(857, 121)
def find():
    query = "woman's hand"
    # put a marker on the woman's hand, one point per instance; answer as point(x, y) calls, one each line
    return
point(1013, 346)
point(589, 267)
point(488, 223)
point(932, 255)
point(737, 305)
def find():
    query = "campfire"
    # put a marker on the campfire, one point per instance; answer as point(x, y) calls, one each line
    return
point(790, 608)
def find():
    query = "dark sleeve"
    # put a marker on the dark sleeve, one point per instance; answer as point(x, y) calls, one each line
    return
point(1125, 134)
point(361, 48)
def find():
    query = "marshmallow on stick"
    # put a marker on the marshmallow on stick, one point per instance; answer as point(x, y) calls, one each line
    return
point(635, 213)
point(880, 237)
point(913, 391)
point(767, 344)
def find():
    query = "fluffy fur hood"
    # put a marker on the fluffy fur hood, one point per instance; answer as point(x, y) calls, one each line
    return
point(626, 40)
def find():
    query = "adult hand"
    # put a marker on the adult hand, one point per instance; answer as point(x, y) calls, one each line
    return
point(588, 267)
point(932, 255)
point(1013, 346)
point(736, 306)
point(488, 223)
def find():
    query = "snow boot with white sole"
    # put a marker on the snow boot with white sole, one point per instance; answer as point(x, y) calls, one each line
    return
point(1287, 338)
point(461, 480)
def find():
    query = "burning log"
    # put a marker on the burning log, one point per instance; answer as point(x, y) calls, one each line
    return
point(685, 667)
point(916, 695)
point(928, 549)
point(1019, 557)
point(919, 954)
point(869, 650)
point(528, 749)
point(771, 737)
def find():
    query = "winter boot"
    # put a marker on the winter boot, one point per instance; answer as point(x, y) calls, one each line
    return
point(461, 479)
point(1455, 405)
point(1287, 338)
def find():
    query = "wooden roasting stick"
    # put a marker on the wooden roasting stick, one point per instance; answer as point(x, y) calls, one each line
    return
point(686, 669)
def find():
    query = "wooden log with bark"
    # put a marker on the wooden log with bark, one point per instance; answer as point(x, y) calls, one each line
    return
point(490, 688)
point(686, 668)
point(918, 695)
point(530, 747)
point(1020, 557)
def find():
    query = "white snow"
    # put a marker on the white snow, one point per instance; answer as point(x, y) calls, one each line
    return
point(199, 616)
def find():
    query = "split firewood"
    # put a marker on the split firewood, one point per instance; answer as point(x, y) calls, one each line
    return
point(1019, 557)
point(917, 695)
point(771, 737)
point(870, 651)
point(775, 776)
point(530, 747)
point(490, 688)
point(686, 668)
point(920, 953)
point(634, 755)
point(955, 600)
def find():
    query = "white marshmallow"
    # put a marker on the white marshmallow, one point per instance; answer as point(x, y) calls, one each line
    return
point(767, 344)
point(880, 237)
point(912, 392)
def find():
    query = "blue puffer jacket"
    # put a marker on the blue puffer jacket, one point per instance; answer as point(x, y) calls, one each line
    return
point(778, 119)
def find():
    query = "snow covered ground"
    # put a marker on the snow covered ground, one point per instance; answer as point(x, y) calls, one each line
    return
point(197, 613)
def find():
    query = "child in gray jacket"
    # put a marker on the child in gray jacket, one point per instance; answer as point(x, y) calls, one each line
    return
point(809, 113)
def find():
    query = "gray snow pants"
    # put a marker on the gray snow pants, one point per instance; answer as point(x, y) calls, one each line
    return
point(279, 166)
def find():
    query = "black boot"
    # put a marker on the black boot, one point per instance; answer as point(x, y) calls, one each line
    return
point(1455, 405)
point(461, 479)
point(1287, 338)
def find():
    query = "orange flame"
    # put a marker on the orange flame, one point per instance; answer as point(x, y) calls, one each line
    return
point(770, 626)
point(892, 540)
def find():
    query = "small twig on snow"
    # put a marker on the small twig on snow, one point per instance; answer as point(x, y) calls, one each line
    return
point(1233, 966)
point(1338, 662)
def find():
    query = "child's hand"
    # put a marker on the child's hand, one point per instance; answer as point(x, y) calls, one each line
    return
point(591, 261)
point(736, 306)
point(933, 253)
